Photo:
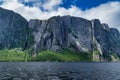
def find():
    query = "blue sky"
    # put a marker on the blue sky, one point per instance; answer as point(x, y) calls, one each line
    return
point(108, 11)
point(85, 4)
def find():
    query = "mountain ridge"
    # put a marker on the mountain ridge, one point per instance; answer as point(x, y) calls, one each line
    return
point(58, 33)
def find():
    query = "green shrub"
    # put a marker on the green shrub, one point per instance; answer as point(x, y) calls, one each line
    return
point(46, 55)
point(96, 55)
point(13, 55)
point(65, 55)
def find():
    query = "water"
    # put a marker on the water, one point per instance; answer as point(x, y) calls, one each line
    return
point(59, 71)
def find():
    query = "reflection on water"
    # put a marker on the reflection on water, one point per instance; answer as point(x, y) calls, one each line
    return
point(59, 71)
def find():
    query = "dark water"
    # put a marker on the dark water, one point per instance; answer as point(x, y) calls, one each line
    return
point(59, 71)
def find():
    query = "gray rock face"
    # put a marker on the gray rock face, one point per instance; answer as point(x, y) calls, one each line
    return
point(13, 30)
point(59, 33)
point(77, 34)
point(107, 38)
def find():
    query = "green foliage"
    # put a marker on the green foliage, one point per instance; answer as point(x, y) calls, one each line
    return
point(69, 55)
point(111, 57)
point(96, 56)
point(13, 55)
point(114, 57)
point(30, 50)
point(46, 55)
point(96, 52)
point(65, 55)
point(107, 57)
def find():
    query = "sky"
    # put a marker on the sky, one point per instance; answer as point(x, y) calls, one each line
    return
point(108, 11)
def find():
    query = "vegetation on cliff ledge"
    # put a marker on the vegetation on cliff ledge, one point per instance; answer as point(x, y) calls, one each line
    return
point(46, 55)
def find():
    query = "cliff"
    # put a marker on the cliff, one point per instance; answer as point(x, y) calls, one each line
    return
point(77, 34)
point(59, 33)
point(13, 30)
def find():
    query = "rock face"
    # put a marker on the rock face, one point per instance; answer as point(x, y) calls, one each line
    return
point(108, 39)
point(58, 33)
point(13, 30)
point(77, 34)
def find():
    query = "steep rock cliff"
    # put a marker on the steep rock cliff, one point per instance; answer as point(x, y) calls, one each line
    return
point(107, 40)
point(77, 34)
point(13, 30)
point(58, 33)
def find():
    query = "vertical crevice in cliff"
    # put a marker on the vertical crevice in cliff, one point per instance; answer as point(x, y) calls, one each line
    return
point(64, 34)
point(95, 44)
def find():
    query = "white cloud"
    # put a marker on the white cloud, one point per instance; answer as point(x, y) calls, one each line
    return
point(51, 4)
point(107, 13)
